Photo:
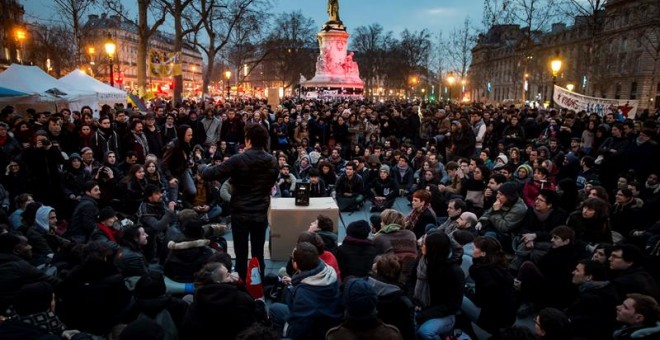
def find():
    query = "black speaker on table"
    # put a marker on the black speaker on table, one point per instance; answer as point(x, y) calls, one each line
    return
point(301, 193)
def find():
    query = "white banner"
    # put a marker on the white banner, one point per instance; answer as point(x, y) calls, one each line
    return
point(577, 102)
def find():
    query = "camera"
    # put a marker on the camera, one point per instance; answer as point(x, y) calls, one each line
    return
point(46, 142)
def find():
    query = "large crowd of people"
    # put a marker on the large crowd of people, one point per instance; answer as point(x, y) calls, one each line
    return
point(111, 222)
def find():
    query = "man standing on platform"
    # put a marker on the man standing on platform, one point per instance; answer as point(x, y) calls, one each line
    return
point(253, 174)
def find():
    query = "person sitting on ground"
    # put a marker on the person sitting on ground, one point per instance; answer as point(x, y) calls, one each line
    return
point(552, 324)
point(394, 305)
point(35, 317)
point(361, 321)
point(312, 302)
point(492, 302)
point(422, 217)
point(16, 270)
point(217, 299)
point(189, 255)
point(455, 208)
point(439, 286)
point(349, 189)
point(639, 315)
point(153, 302)
point(504, 218)
point(383, 190)
point(326, 256)
point(324, 227)
point(628, 274)
point(356, 254)
point(548, 282)
point(593, 313)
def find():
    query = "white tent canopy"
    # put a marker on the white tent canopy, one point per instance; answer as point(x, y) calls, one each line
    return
point(105, 94)
point(40, 86)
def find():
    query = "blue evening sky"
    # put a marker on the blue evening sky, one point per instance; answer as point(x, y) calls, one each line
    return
point(394, 15)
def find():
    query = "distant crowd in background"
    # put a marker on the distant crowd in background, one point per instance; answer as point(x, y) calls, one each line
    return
point(515, 212)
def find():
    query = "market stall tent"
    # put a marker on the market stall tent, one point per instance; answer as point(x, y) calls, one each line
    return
point(105, 94)
point(41, 89)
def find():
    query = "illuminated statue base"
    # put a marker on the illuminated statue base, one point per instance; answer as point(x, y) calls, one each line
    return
point(337, 75)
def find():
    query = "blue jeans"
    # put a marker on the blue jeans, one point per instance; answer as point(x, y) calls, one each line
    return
point(279, 315)
point(434, 328)
point(470, 310)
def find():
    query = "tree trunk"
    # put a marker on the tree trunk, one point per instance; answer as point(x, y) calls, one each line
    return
point(178, 48)
point(143, 43)
point(210, 65)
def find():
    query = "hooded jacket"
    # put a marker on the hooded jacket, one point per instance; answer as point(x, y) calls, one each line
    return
point(314, 303)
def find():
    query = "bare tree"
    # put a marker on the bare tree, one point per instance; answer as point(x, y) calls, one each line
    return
point(219, 19)
point(496, 12)
point(368, 42)
point(458, 48)
point(591, 16)
point(176, 9)
point(293, 45)
point(51, 42)
point(145, 32)
point(245, 50)
point(72, 12)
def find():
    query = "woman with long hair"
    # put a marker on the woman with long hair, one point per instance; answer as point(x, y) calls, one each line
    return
point(492, 302)
point(591, 222)
point(439, 285)
point(131, 189)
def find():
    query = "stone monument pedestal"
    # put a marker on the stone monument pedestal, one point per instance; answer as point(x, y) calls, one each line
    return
point(337, 75)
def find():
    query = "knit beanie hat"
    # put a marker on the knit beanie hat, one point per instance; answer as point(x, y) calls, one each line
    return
point(503, 158)
point(360, 300)
point(359, 229)
point(510, 190)
point(526, 167)
point(385, 168)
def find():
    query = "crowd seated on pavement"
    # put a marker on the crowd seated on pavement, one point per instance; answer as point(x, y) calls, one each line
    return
point(108, 229)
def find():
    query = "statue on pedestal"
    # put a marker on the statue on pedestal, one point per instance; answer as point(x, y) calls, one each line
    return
point(333, 10)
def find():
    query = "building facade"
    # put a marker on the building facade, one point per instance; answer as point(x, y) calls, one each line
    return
point(99, 29)
point(615, 53)
point(12, 33)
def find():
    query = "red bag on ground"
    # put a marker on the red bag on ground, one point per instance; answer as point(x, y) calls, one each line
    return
point(253, 283)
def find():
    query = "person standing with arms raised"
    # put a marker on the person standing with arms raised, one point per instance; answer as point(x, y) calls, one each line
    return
point(253, 174)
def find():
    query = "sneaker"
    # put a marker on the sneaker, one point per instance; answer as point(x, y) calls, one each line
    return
point(219, 228)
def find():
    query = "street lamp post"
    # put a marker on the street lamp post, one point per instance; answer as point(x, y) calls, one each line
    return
point(450, 79)
point(555, 66)
point(110, 48)
point(228, 76)
point(20, 37)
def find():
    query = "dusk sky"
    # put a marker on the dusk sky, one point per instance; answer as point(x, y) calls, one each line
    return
point(393, 15)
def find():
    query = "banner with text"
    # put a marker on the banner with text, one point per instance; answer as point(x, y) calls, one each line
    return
point(577, 102)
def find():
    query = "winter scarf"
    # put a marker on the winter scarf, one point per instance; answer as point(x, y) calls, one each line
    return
point(412, 219)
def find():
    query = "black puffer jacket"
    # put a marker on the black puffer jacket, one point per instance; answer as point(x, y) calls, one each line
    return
point(253, 174)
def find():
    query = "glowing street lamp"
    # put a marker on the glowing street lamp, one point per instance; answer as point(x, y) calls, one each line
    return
point(110, 49)
point(228, 76)
point(570, 87)
point(91, 51)
point(451, 80)
point(20, 37)
point(555, 66)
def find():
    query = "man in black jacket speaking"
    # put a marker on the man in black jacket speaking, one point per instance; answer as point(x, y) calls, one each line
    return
point(253, 174)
